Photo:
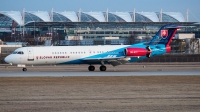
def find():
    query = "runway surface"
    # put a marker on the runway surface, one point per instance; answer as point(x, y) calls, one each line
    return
point(136, 69)
point(66, 74)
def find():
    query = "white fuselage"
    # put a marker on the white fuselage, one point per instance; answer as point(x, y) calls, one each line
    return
point(60, 54)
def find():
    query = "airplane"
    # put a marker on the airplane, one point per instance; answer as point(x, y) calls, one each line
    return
point(92, 55)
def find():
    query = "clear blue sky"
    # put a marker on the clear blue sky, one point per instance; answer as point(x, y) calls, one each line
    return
point(102, 5)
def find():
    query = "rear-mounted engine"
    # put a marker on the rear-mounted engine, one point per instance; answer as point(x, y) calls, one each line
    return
point(135, 52)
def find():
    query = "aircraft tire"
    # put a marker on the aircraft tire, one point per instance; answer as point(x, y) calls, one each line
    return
point(102, 68)
point(24, 69)
point(91, 68)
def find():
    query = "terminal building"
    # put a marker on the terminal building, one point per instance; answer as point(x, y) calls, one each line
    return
point(89, 28)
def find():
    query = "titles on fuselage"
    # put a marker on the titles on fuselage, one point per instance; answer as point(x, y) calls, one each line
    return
point(51, 57)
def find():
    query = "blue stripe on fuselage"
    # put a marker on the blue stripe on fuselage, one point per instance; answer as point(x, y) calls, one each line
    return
point(156, 50)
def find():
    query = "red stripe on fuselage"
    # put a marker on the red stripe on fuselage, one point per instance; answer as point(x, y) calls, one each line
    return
point(168, 49)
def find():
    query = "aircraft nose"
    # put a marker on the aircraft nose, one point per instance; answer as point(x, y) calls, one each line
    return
point(7, 59)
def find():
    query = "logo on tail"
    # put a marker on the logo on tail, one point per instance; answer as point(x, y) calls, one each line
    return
point(164, 34)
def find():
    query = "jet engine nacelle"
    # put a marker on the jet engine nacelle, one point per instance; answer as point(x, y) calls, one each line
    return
point(134, 52)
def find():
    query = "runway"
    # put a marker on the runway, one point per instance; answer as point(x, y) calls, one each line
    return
point(114, 73)
point(136, 69)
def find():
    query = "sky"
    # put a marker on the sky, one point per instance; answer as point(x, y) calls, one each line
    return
point(103, 5)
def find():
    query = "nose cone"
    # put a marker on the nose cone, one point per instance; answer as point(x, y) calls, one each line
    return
point(7, 59)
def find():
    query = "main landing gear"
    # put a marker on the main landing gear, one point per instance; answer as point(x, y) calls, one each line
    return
point(92, 68)
point(102, 68)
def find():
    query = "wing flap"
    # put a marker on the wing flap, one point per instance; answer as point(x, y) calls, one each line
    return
point(113, 61)
point(119, 61)
point(104, 58)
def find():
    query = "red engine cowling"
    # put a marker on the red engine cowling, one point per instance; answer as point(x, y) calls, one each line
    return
point(137, 52)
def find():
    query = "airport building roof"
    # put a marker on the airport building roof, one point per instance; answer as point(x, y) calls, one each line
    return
point(10, 18)
point(67, 16)
point(37, 16)
point(147, 16)
point(14, 18)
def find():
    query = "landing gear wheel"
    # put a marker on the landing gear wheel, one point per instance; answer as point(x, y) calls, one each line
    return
point(24, 69)
point(91, 68)
point(102, 68)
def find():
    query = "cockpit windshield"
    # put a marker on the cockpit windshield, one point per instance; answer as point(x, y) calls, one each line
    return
point(18, 52)
point(15, 52)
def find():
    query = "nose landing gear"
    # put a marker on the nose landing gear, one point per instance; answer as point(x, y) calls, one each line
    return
point(24, 69)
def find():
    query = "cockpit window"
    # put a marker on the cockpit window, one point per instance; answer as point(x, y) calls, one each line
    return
point(20, 52)
point(15, 52)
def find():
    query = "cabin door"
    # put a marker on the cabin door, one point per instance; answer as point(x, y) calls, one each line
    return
point(30, 54)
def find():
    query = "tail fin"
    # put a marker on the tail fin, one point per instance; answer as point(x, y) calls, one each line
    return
point(164, 35)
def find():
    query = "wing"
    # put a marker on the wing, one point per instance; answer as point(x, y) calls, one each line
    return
point(114, 61)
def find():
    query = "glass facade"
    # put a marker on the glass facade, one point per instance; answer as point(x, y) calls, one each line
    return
point(60, 18)
point(97, 15)
point(114, 18)
point(5, 21)
point(7, 18)
point(167, 18)
point(10, 19)
point(141, 18)
point(29, 17)
point(87, 18)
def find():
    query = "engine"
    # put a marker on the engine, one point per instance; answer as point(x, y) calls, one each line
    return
point(135, 52)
